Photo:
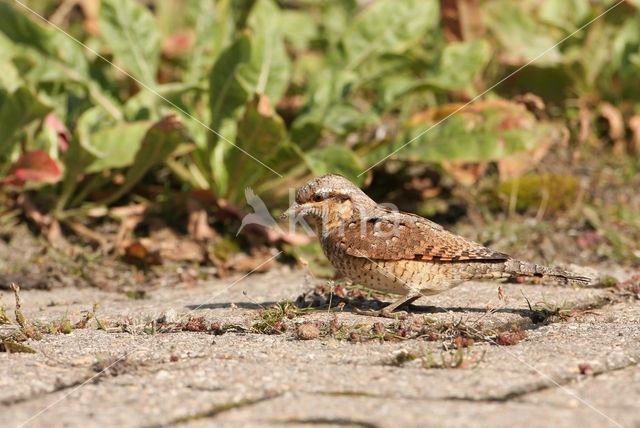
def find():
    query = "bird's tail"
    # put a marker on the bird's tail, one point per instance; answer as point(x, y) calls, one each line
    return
point(516, 268)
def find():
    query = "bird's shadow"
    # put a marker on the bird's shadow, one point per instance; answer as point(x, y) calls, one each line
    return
point(368, 304)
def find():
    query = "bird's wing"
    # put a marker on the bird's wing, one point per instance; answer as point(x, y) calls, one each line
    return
point(408, 237)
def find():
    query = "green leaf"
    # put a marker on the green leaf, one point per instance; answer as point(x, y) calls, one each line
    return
point(213, 30)
point(141, 105)
point(335, 160)
point(226, 94)
point(298, 28)
point(460, 64)
point(343, 118)
point(269, 68)
point(9, 76)
point(522, 38)
point(22, 30)
point(388, 26)
point(328, 89)
point(158, 143)
point(130, 30)
point(489, 134)
point(113, 147)
point(566, 14)
point(17, 109)
point(260, 132)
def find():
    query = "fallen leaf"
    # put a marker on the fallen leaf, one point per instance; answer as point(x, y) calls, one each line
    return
point(634, 125)
point(198, 225)
point(250, 262)
point(465, 173)
point(82, 230)
point(169, 246)
point(586, 121)
point(613, 116)
point(138, 254)
point(49, 226)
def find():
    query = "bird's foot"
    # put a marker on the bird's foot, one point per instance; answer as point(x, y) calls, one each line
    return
point(383, 313)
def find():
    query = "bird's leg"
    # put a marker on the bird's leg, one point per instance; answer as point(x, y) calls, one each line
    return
point(388, 311)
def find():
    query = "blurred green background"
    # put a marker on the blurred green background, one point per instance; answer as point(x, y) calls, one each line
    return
point(145, 106)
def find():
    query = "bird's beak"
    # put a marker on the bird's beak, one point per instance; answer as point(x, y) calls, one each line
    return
point(292, 212)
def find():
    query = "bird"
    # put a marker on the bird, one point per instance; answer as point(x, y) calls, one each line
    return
point(397, 252)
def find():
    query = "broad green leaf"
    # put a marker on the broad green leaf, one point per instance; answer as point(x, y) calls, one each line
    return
point(492, 133)
point(328, 89)
point(298, 28)
point(388, 26)
point(158, 143)
point(22, 30)
point(336, 17)
point(522, 38)
point(565, 14)
point(343, 118)
point(269, 68)
point(17, 109)
point(114, 147)
point(460, 64)
point(141, 105)
point(9, 76)
point(335, 160)
point(260, 132)
point(213, 31)
point(226, 94)
point(130, 31)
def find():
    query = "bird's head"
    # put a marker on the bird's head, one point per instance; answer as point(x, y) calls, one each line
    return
point(327, 196)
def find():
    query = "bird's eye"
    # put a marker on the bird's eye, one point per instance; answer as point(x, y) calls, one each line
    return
point(317, 197)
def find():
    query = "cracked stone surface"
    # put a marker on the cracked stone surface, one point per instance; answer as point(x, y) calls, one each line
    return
point(579, 371)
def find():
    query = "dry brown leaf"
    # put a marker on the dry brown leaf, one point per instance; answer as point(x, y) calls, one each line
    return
point(615, 120)
point(461, 20)
point(634, 125)
point(532, 102)
point(450, 20)
point(198, 225)
point(49, 226)
point(465, 173)
point(127, 226)
point(251, 262)
point(515, 165)
point(85, 232)
point(170, 246)
point(137, 253)
point(586, 121)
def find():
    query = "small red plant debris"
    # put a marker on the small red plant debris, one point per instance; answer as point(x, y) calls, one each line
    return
point(462, 342)
point(279, 327)
point(585, 368)
point(378, 328)
point(216, 328)
point(510, 338)
point(173, 358)
point(195, 324)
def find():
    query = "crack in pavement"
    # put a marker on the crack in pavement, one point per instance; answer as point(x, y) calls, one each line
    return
point(217, 409)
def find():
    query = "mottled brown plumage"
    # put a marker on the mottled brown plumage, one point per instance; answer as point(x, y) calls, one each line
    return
point(398, 252)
